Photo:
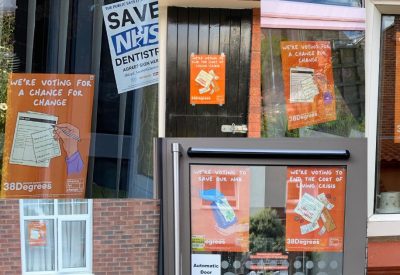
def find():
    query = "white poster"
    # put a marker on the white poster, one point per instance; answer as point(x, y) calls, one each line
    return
point(132, 30)
point(206, 264)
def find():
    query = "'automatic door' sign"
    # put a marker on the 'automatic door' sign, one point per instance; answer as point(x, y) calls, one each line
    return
point(132, 30)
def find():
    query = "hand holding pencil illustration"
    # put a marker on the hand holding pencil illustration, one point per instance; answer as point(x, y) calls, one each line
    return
point(69, 136)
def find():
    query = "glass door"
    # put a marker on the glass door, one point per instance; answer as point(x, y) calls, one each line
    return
point(267, 219)
point(263, 207)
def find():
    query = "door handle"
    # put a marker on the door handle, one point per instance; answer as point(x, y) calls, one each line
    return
point(268, 153)
point(234, 129)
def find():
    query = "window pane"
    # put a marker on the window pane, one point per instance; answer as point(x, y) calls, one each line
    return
point(72, 206)
point(73, 244)
point(54, 45)
point(335, 80)
point(39, 245)
point(353, 3)
point(388, 142)
point(38, 207)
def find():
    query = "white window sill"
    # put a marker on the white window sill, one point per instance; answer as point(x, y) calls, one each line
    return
point(383, 225)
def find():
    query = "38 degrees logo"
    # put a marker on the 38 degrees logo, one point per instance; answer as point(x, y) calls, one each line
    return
point(138, 36)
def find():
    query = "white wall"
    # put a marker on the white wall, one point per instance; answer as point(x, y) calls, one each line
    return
point(227, 4)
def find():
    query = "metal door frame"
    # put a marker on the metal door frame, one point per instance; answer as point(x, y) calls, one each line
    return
point(174, 163)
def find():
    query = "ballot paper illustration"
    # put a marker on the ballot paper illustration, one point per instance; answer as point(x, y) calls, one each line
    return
point(314, 210)
point(34, 143)
point(322, 231)
point(208, 81)
point(303, 88)
point(322, 198)
point(309, 208)
point(307, 228)
point(328, 221)
point(223, 212)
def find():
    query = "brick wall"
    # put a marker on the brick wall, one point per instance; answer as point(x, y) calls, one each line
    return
point(125, 237)
point(388, 78)
point(383, 255)
point(254, 119)
point(10, 246)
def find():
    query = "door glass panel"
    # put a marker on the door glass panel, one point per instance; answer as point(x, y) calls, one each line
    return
point(39, 245)
point(340, 88)
point(267, 219)
point(73, 244)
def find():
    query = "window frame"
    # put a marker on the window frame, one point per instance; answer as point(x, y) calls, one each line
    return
point(379, 225)
point(57, 219)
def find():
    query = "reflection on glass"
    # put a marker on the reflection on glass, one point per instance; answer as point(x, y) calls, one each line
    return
point(352, 3)
point(347, 60)
point(268, 220)
point(9, 61)
point(388, 141)
point(67, 37)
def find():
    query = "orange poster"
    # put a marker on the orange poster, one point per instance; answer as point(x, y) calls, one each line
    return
point(220, 208)
point(47, 137)
point(315, 204)
point(397, 91)
point(207, 79)
point(308, 83)
point(37, 233)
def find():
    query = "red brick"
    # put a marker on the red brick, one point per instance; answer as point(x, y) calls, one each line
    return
point(133, 231)
point(10, 247)
point(255, 103)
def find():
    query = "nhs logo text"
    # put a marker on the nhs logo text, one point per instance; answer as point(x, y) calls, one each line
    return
point(134, 38)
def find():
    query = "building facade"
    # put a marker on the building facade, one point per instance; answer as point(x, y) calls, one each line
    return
point(80, 237)
point(70, 38)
